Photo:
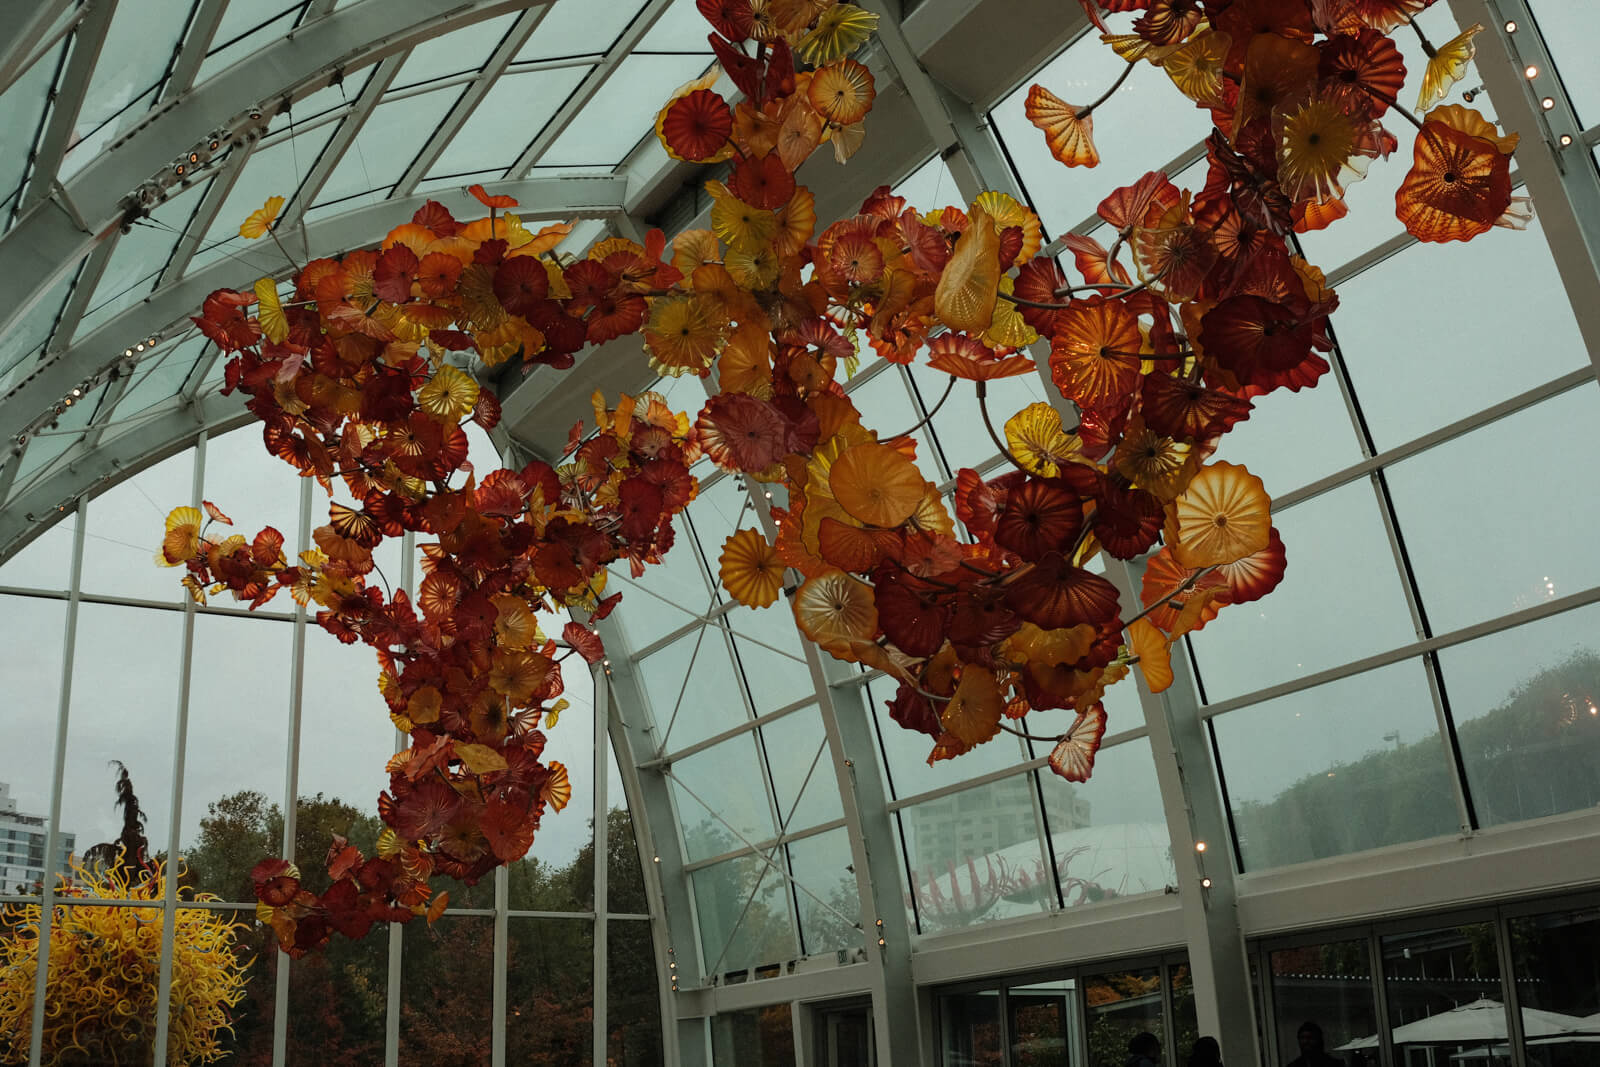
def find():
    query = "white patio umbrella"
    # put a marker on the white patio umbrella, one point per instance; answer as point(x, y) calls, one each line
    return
point(1479, 1022)
point(1587, 1031)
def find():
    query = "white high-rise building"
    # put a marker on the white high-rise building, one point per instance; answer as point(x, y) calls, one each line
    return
point(22, 845)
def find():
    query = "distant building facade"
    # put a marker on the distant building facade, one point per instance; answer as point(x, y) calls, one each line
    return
point(22, 845)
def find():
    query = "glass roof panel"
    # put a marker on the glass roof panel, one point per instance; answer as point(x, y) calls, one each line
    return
point(159, 379)
point(246, 27)
point(491, 137)
point(137, 55)
point(52, 441)
point(1569, 31)
point(387, 143)
point(33, 329)
point(681, 28)
point(139, 257)
point(622, 110)
point(456, 52)
point(22, 109)
point(276, 170)
point(579, 28)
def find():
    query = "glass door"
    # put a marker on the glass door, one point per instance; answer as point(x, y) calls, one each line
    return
point(845, 1036)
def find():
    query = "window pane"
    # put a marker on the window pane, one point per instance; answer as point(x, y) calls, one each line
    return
point(1443, 992)
point(125, 527)
point(969, 1028)
point(1558, 983)
point(1351, 765)
point(481, 144)
point(1109, 834)
point(256, 489)
point(976, 856)
point(958, 425)
point(574, 27)
point(905, 752)
point(620, 112)
point(549, 991)
point(1329, 987)
point(1527, 710)
point(1534, 509)
point(446, 991)
point(822, 866)
point(693, 689)
point(32, 685)
point(1406, 332)
point(803, 781)
point(126, 671)
point(235, 752)
point(761, 1037)
point(1566, 28)
point(1043, 1023)
point(633, 1004)
point(1120, 1006)
point(381, 151)
point(770, 655)
point(338, 1000)
point(1272, 441)
point(46, 563)
point(743, 905)
point(1340, 600)
point(729, 799)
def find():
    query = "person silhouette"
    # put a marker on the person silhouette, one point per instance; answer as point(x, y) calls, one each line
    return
point(1144, 1050)
point(1205, 1053)
point(1312, 1052)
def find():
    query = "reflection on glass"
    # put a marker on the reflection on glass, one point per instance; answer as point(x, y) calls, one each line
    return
point(549, 991)
point(446, 991)
point(1109, 834)
point(1330, 985)
point(969, 1029)
point(744, 911)
point(825, 892)
point(1444, 996)
point(1351, 765)
point(1185, 1016)
point(1552, 527)
point(975, 856)
point(1557, 958)
point(1042, 1023)
point(1527, 709)
point(760, 1037)
point(1121, 1005)
point(633, 1002)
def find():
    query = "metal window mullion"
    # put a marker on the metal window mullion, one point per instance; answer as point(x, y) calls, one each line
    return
point(67, 101)
point(1563, 180)
point(469, 101)
point(47, 891)
point(291, 782)
point(1510, 1002)
point(502, 935)
point(574, 104)
point(391, 1023)
point(196, 43)
point(175, 808)
point(602, 861)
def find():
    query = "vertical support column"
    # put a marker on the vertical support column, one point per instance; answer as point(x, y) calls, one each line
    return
point(602, 862)
point(660, 854)
point(1562, 178)
point(52, 839)
point(291, 782)
point(1192, 801)
point(391, 1023)
point(502, 935)
point(169, 904)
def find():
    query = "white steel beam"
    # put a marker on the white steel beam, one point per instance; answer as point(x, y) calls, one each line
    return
point(196, 43)
point(32, 35)
point(67, 100)
point(48, 240)
point(544, 198)
point(479, 87)
point(641, 24)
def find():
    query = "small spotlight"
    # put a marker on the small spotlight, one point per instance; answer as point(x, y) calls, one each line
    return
point(180, 170)
point(1547, 103)
point(1205, 883)
point(1531, 72)
point(1566, 140)
point(1511, 26)
point(1199, 846)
